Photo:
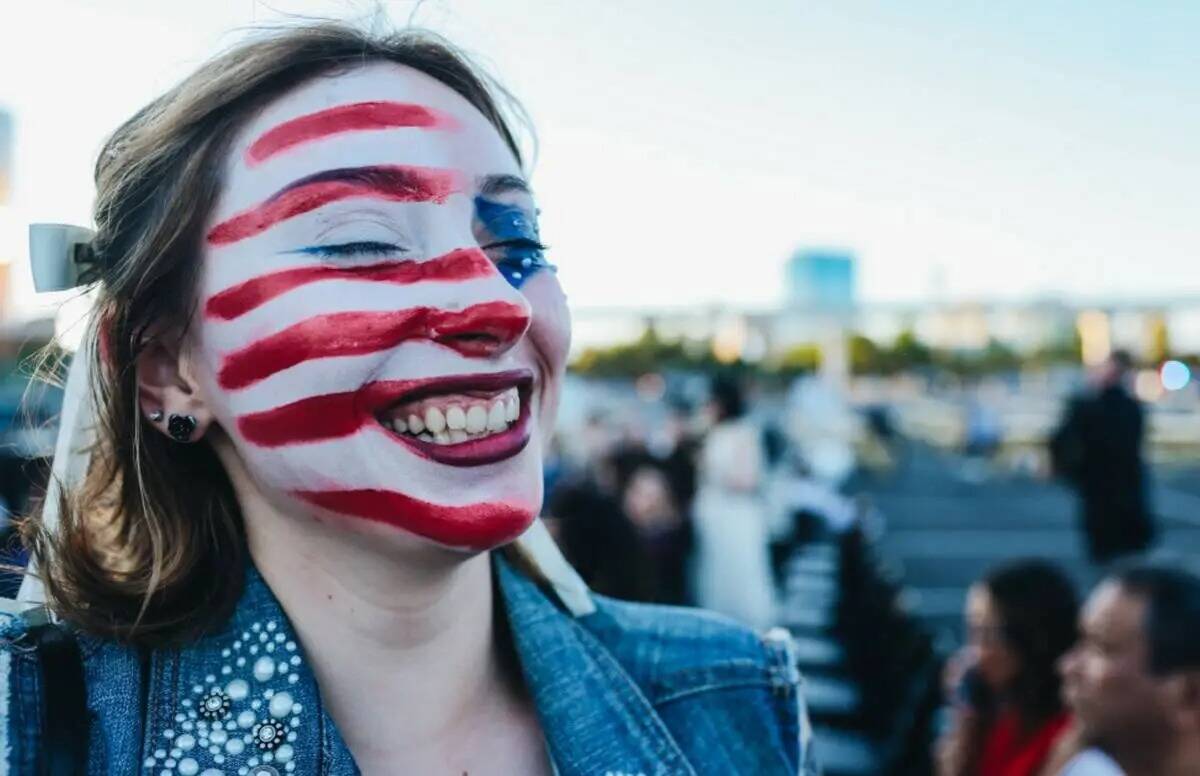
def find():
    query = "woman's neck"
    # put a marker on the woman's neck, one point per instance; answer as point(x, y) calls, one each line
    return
point(401, 644)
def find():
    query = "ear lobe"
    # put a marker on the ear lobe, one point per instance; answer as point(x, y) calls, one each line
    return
point(167, 389)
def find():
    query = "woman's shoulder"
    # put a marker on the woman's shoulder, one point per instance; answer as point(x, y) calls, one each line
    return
point(704, 671)
point(671, 642)
point(57, 689)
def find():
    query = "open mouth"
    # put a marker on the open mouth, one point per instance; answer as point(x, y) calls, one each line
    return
point(468, 420)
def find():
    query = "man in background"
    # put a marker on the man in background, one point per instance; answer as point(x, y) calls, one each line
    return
point(1133, 680)
point(1098, 449)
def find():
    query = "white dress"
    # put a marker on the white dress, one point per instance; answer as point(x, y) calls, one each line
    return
point(1092, 762)
point(732, 566)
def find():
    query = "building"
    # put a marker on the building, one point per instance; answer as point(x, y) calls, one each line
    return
point(821, 279)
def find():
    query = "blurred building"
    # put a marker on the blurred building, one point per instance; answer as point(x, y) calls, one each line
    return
point(821, 279)
point(820, 307)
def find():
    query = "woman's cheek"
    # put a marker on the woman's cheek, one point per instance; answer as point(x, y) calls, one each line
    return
point(550, 332)
point(550, 338)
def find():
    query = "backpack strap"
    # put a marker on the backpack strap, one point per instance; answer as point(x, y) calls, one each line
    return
point(65, 719)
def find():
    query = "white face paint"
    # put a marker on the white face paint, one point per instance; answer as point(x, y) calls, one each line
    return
point(361, 336)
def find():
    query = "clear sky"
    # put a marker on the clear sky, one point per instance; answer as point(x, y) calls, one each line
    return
point(963, 149)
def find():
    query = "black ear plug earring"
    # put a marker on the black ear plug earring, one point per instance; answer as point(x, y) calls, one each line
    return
point(181, 427)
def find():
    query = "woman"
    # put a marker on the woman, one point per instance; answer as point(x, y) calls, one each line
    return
point(1008, 713)
point(733, 571)
point(329, 349)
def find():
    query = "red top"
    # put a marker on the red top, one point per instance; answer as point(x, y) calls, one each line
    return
point(1006, 752)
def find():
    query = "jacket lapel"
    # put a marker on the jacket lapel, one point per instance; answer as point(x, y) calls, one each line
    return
point(595, 717)
point(241, 698)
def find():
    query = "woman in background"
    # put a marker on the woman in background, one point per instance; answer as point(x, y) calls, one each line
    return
point(1007, 709)
point(733, 567)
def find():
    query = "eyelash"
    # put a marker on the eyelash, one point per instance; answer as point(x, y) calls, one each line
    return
point(520, 243)
point(359, 248)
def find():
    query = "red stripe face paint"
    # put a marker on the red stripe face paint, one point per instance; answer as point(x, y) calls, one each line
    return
point(355, 117)
point(388, 182)
point(462, 264)
point(477, 526)
point(479, 330)
point(334, 415)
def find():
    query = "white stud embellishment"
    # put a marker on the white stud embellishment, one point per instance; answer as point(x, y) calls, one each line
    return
point(238, 689)
point(238, 726)
point(264, 669)
point(281, 705)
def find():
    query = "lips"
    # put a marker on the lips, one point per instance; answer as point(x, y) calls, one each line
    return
point(478, 419)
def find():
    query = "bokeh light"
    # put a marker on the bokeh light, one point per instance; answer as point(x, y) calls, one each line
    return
point(1175, 375)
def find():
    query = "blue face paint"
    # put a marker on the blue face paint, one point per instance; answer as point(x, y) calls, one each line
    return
point(512, 241)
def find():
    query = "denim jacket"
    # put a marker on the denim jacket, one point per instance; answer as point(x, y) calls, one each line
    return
point(626, 690)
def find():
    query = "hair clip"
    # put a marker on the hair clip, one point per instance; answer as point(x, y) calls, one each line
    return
point(61, 256)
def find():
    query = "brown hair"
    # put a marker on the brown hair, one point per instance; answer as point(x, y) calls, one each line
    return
point(151, 548)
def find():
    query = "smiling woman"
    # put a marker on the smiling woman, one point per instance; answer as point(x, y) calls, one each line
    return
point(329, 347)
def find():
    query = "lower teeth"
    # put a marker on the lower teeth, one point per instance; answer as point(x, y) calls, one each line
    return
point(452, 437)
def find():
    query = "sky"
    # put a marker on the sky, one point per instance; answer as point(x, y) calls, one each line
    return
point(963, 150)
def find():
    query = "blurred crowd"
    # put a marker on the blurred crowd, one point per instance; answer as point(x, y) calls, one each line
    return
point(699, 509)
point(706, 507)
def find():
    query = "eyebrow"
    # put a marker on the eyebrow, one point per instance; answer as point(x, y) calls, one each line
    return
point(353, 117)
point(396, 183)
point(491, 185)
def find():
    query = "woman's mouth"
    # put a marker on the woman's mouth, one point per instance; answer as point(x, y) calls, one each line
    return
point(467, 420)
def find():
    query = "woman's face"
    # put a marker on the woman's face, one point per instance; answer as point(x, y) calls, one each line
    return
point(378, 332)
point(997, 663)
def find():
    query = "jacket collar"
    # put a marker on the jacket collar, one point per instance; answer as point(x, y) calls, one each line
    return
point(245, 697)
point(594, 715)
point(241, 700)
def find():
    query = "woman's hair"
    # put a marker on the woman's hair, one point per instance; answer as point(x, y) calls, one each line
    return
point(151, 548)
point(1038, 609)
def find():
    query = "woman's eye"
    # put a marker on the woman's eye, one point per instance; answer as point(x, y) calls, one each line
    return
point(519, 259)
point(522, 252)
point(353, 249)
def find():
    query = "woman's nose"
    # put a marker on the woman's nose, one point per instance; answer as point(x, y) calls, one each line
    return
point(489, 326)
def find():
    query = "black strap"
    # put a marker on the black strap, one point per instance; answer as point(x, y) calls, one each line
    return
point(65, 720)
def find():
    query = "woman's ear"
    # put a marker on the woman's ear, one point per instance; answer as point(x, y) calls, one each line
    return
point(168, 394)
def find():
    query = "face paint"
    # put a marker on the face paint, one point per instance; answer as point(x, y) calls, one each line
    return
point(476, 525)
point(357, 117)
point(330, 416)
point(395, 183)
point(361, 339)
point(462, 264)
point(513, 233)
point(479, 330)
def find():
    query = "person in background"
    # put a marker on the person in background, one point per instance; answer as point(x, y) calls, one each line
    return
point(1098, 450)
point(664, 532)
point(599, 540)
point(1133, 680)
point(1007, 709)
point(679, 453)
point(732, 567)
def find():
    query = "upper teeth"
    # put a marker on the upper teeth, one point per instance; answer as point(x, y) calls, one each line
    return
point(457, 422)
